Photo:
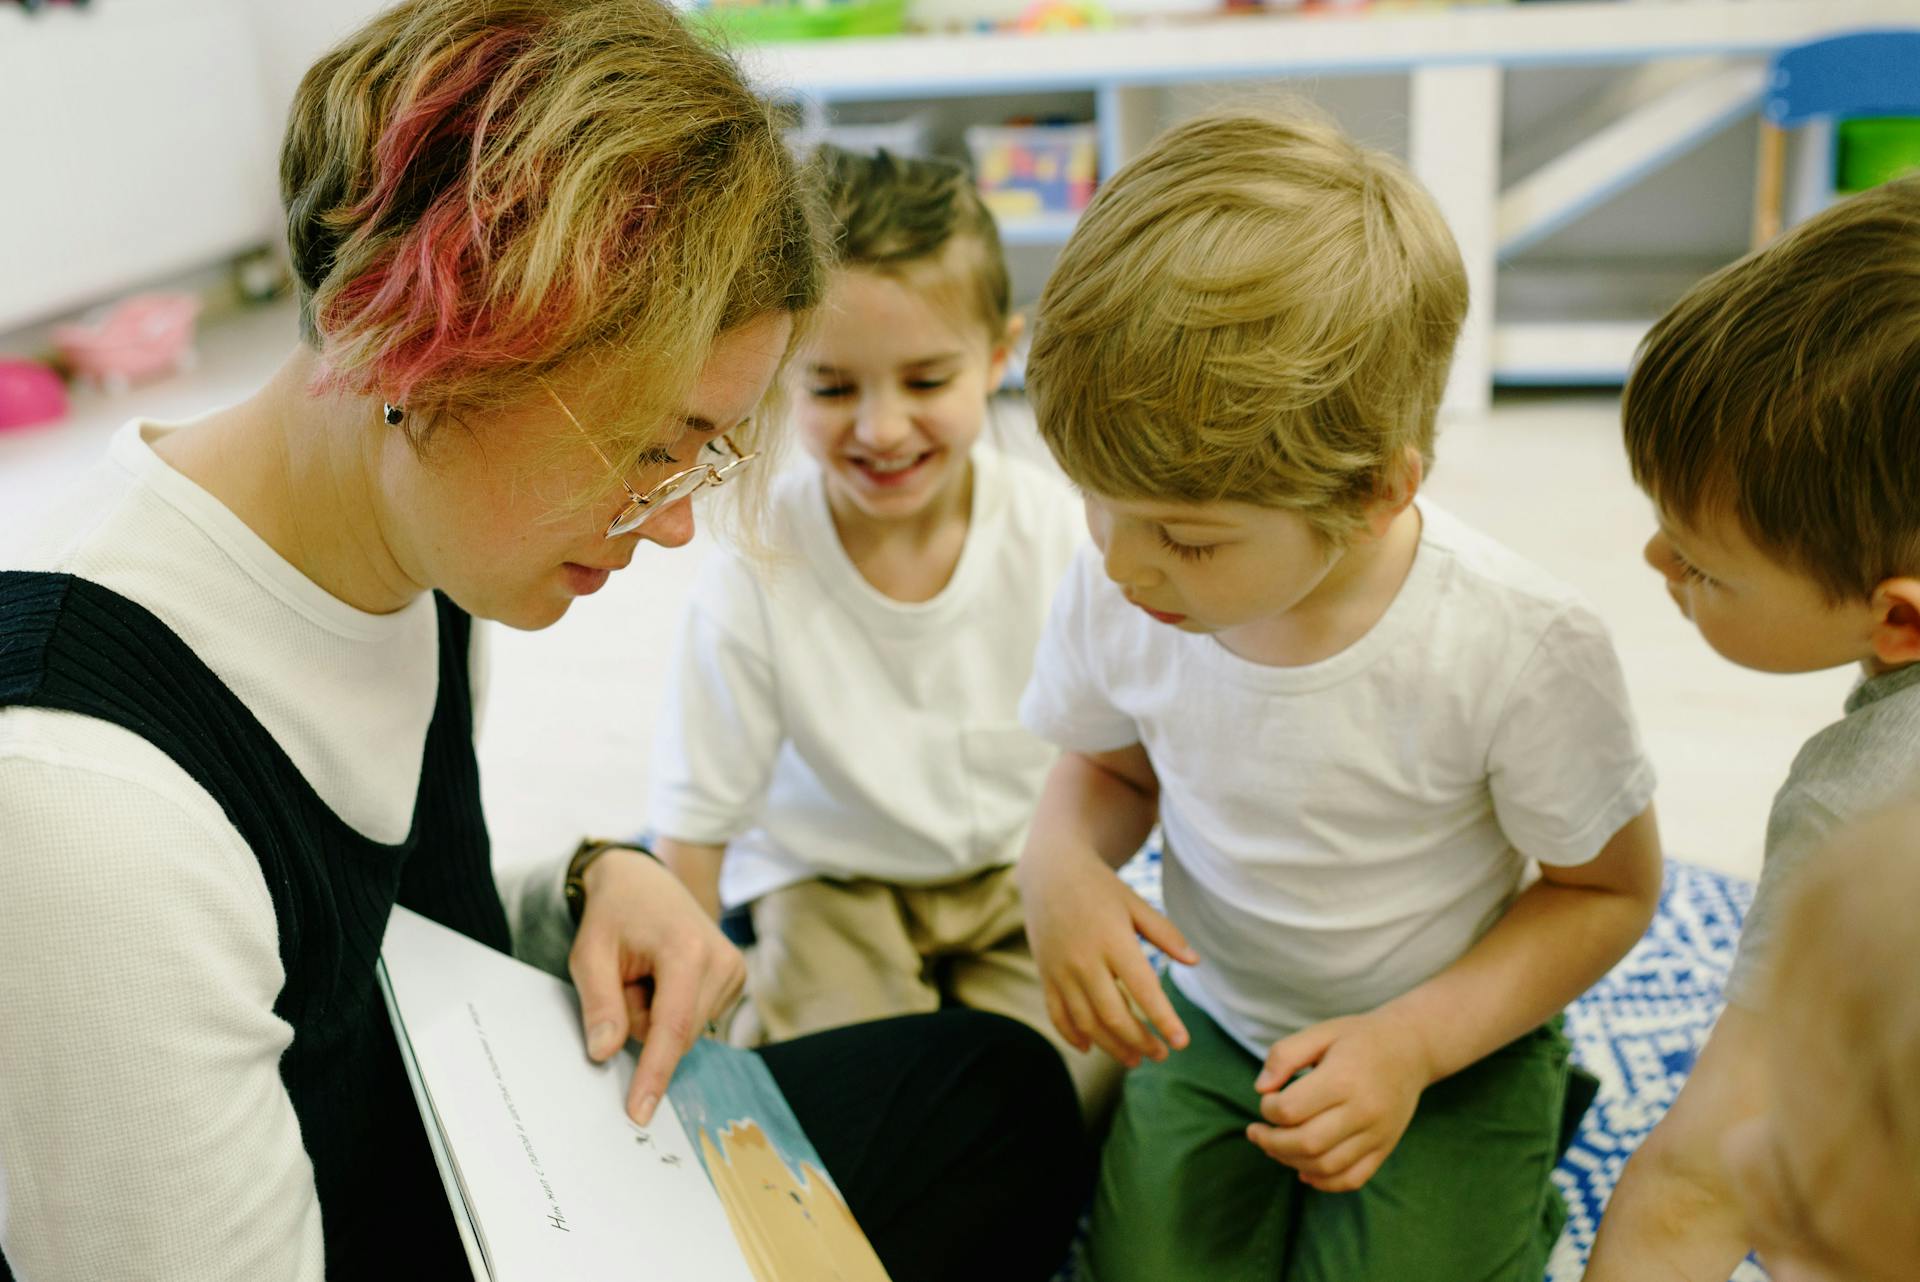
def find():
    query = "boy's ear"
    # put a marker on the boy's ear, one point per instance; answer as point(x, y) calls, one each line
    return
point(1003, 351)
point(1896, 627)
point(1396, 491)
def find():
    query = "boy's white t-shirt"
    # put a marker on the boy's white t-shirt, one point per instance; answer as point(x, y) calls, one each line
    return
point(1340, 832)
point(818, 728)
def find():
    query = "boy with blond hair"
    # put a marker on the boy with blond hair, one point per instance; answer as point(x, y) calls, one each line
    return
point(1405, 809)
point(1774, 419)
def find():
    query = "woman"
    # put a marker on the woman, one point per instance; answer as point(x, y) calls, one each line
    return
point(550, 255)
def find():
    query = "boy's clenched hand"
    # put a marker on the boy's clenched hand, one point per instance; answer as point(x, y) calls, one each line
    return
point(1082, 922)
point(1336, 1124)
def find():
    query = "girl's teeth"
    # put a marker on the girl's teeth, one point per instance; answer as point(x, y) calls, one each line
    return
point(901, 465)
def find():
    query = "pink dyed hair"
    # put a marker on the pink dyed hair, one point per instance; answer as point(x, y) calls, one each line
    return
point(480, 193)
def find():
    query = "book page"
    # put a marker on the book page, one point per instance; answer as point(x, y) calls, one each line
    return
point(557, 1182)
point(787, 1214)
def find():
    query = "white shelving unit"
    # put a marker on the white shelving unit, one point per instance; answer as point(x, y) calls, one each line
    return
point(1704, 60)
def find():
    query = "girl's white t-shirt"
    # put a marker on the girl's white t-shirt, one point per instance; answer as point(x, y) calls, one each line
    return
point(144, 1128)
point(818, 728)
point(1340, 832)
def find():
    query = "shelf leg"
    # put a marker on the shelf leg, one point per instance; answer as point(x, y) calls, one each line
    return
point(1129, 117)
point(1455, 151)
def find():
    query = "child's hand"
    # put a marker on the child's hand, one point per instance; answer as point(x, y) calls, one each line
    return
point(1082, 921)
point(1338, 1123)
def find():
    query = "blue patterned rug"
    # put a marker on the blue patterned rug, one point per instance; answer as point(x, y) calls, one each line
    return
point(1637, 1030)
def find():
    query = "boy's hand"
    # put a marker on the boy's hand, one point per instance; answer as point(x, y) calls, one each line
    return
point(1338, 1123)
point(1082, 921)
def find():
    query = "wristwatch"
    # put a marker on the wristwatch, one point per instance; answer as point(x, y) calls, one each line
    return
point(590, 849)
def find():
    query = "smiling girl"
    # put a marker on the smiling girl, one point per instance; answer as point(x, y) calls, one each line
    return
point(840, 754)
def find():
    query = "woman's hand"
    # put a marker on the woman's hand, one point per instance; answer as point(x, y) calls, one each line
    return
point(1083, 923)
point(649, 963)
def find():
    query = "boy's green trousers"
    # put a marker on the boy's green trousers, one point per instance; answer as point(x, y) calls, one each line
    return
point(1466, 1196)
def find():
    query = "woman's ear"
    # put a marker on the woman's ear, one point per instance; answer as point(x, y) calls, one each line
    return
point(1003, 350)
point(1896, 625)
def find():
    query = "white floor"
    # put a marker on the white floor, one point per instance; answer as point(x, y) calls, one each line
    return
point(565, 741)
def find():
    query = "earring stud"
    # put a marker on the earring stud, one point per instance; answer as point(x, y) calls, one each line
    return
point(393, 414)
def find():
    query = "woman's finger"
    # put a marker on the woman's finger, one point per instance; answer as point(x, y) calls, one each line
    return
point(594, 964)
point(637, 995)
point(672, 1027)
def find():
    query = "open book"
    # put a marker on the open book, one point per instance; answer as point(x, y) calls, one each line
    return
point(548, 1177)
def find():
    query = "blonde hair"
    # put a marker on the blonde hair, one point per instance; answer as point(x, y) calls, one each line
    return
point(479, 192)
point(902, 214)
point(1784, 391)
point(1847, 971)
point(1256, 309)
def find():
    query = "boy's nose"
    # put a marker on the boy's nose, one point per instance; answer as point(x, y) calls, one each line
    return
point(1659, 555)
point(1123, 567)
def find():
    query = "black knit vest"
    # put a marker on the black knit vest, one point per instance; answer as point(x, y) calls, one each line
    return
point(69, 644)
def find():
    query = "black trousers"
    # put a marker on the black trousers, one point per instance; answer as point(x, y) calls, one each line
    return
point(955, 1137)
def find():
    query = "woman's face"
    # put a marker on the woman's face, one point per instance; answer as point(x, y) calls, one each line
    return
point(492, 516)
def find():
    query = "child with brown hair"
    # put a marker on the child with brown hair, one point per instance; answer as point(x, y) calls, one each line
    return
point(1774, 419)
point(840, 752)
point(1828, 1174)
point(1405, 810)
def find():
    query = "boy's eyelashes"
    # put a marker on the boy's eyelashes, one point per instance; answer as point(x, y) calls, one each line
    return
point(1186, 551)
point(1692, 573)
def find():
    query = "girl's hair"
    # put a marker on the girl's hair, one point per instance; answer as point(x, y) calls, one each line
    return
point(478, 193)
point(900, 214)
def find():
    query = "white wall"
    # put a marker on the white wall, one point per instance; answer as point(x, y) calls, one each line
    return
point(134, 147)
point(141, 139)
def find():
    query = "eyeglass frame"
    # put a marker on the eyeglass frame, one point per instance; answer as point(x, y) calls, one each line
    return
point(641, 508)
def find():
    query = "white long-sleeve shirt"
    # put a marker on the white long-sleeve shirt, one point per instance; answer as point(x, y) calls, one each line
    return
point(144, 1129)
point(818, 728)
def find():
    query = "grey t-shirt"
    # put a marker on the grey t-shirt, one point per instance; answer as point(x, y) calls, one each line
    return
point(1863, 763)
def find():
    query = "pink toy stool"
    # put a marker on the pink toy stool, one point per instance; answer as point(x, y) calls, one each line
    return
point(141, 337)
point(30, 394)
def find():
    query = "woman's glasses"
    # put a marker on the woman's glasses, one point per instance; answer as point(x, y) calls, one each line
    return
point(641, 508)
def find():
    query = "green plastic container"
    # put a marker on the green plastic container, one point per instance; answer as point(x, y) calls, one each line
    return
point(767, 23)
point(1876, 149)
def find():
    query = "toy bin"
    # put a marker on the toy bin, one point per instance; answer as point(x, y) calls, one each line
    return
point(910, 137)
point(772, 21)
point(1029, 171)
point(1875, 150)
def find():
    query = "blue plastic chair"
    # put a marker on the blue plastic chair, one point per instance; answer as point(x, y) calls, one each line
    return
point(1869, 73)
